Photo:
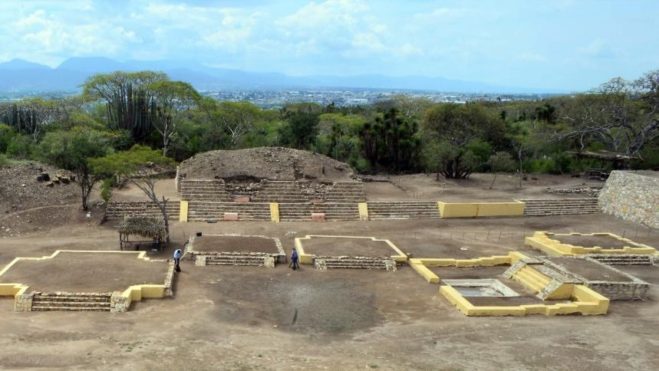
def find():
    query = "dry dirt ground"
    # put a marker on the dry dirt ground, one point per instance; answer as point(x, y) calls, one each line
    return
point(337, 246)
point(235, 243)
point(250, 318)
point(86, 272)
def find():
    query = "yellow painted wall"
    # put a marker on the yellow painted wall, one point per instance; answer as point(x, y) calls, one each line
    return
point(183, 212)
point(455, 210)
point(486, 261)
point(544, 243)
point(10, 289)
point(426, 273)
point(501, 209)
point(586, 302)
point(480, 209)
point(274, 212)
point(363, 211)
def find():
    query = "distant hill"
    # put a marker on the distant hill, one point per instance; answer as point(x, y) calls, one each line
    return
point(20, 76)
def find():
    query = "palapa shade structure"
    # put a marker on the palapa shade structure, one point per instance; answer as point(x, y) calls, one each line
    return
point(152, 228)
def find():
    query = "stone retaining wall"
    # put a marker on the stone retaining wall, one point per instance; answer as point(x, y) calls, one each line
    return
point(119, 210)
point(632, 196)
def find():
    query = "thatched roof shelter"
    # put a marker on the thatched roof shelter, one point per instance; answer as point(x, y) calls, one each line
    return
point(152, 228)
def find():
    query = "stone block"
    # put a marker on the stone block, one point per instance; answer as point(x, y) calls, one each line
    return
point(269, 262)
point(318, 217)
point(119, 303)
point(23, 302)
point(200, 260)
point(230, 217)
point(241, 199)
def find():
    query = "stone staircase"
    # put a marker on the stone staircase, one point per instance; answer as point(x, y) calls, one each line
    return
point(353, 262)
point(204, 211)
point(549, 289)
point(338, 211)
point(281, 191)
point(239, 259)
point(204, 189)
point(342, 192)
point(623, 259)
point(79, 302)
point(296, 212)
point(119, 210)
point(382, 210)
point(568, 206)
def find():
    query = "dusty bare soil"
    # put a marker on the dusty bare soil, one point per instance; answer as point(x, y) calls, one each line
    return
point(20, 190)
point(506, 187)
point(235, 244)
point(245, 318)
point(272, 319)
point(328, 246)
point(86, 272)
point(589, 270)
point(606, 242)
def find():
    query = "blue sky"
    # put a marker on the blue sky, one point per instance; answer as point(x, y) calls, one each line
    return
point(560, 44)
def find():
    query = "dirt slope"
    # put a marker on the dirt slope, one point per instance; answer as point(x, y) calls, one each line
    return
point(274, 163)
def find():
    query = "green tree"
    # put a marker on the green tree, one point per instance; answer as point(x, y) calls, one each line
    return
point(500, 162)
point(139, 166)
point(129, 103)
point(72, 150)
point(451, 129)
point(621, 115)
point(300, 131)
point(237, 119)
point(171, 99)
point(391, 141)
point(6, 136)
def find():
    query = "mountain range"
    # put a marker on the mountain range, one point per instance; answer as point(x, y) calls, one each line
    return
point(19, 75)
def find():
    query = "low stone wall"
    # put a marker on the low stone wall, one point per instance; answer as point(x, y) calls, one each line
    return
point(566, 206)
point(119, 210)
point(632, 196)
point(631, 289)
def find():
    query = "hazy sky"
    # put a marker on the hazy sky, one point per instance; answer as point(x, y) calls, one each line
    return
point(541, 44)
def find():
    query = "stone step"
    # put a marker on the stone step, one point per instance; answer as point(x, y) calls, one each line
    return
point(72, 299)
point(256, 262)
point(81, 304)
point(624, 259)
point(67, 308)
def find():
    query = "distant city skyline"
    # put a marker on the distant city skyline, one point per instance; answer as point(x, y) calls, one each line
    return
point(555, 45)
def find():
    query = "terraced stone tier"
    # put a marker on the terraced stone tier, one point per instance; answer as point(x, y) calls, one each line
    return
point(353, 262)
point(71, 302)
point(119, 210)
point(291, 212)
point(382, 210)
point(569, 206)
point(200, 189)
point(623, 259)
point(239, 259)
point(203, 211)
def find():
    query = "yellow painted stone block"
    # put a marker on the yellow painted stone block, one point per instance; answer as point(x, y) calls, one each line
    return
point(183, 212)
point(274, 212)
point(363, 211)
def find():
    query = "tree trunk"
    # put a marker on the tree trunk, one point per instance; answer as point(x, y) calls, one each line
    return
point(165, 218)
point(521, 168)
point(493, 180)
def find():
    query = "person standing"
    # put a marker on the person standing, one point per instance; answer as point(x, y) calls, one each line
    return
point(177, 259)
point(294, 260)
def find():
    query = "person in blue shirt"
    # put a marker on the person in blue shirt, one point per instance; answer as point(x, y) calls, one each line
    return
point(294, 260)
point(177, 259)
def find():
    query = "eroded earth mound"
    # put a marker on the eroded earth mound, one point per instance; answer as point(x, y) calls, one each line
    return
point(273, 163)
